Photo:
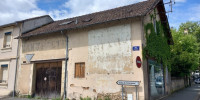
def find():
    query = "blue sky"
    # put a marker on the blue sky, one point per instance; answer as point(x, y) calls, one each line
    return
point(13, 10)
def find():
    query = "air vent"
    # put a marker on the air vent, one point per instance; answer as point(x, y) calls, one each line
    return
point(65, 23)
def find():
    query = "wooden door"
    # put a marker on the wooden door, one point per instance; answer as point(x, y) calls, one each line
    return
point(48, 79)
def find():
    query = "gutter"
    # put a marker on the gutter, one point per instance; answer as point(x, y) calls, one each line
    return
point(16, 61)
point(66, 62)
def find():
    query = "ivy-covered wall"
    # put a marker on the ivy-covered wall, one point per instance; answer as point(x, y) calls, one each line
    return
point(156, 42)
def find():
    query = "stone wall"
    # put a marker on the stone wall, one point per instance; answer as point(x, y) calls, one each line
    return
point(177, 83)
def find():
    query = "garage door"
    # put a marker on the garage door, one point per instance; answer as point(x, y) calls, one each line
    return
point(48, 79)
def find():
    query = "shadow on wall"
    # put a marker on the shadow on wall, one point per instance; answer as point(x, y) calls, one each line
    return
point(44, 42)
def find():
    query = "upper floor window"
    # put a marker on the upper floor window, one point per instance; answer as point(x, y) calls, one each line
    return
point(7, 40)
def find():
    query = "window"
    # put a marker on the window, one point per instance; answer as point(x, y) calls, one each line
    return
point(79, 70)
point(7, 40)
point(157, 82)
point(4, 73)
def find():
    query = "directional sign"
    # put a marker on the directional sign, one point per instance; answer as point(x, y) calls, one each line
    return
point(121, 82)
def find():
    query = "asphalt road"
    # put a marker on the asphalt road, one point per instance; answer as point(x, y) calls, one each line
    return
point(190, 93)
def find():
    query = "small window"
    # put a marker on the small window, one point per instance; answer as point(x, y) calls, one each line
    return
point(7, 40)
point(4, 73)
point(79, 70)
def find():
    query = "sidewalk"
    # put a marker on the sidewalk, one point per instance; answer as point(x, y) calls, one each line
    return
point(4, 93)
point(190, 93)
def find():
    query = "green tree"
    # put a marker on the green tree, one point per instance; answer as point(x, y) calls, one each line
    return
point(185, 51)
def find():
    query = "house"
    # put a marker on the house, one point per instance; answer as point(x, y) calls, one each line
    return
point(9, 49)
point(85, 56)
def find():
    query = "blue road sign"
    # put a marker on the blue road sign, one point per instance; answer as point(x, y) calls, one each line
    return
point(136, 48)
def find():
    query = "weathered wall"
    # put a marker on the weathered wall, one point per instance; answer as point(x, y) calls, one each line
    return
point(24, 79)
point(106, 50)
point(108, 56)
point(8, 55)
point(44, 47)
point(109, 50)
point(35, 23)
point(177, 83)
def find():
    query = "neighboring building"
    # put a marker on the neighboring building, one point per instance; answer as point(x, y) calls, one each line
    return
point(9, 47)
point(99, 51)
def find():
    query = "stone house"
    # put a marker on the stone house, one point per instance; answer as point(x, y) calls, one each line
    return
point(85, 56)
point(9, 48)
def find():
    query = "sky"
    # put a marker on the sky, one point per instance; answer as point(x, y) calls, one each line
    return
point(15, 10)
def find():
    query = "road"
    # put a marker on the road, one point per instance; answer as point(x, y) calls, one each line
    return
point(190, 93)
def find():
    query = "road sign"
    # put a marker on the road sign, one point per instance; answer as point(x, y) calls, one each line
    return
point(136, 48)
point(138, 62)
point(133, 83)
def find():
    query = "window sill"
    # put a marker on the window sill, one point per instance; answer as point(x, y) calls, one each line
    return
point(8, 49)
point(3, 84)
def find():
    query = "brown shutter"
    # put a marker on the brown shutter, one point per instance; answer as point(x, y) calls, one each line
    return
point(83, 70)
point(76, 70)
point(79, 70)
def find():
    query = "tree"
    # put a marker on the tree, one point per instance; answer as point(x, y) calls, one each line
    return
point(185, 51)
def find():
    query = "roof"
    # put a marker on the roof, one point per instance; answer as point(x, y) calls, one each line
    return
point(15, 23)
point(130, 11)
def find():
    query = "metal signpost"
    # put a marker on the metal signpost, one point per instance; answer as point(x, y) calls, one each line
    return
point(130, 83)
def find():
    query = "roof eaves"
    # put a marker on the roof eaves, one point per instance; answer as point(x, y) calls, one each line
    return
point(79, 27)
point(153, 6)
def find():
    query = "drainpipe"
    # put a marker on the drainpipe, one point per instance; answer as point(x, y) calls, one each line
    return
point(66, 72)
point(16, 61)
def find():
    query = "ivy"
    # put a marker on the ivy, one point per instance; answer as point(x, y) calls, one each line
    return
point(156, 44)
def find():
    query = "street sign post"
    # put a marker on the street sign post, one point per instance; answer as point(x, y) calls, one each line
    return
point(133, 83)
point(130, 83)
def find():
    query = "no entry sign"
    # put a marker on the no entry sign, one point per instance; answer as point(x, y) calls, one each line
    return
point(138, 62)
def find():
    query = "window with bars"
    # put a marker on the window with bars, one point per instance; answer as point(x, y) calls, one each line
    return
point(79, 70)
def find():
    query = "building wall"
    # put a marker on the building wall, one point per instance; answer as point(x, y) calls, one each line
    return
point(35, 23)
point(8, 55)
point(107, 53)
point(46, 47)
point(167, 76)
point(106, 50)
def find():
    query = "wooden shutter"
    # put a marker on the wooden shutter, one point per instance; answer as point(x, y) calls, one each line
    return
point(79, 70)
point(82, 70)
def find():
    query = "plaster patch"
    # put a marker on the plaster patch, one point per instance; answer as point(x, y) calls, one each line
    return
point(110, 50)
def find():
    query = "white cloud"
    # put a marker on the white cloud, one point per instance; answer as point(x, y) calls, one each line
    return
point(13, 10)
point(180, 0)
point(80, 7)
